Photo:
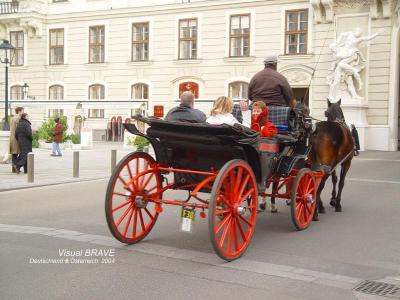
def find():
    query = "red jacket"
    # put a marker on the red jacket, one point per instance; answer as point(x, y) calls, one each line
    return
point(262, 125)
point(58, 133)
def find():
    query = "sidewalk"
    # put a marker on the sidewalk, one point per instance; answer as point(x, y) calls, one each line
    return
point(96, 164)
point(49, 170)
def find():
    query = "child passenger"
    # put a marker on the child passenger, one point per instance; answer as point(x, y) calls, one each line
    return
point(221, 113)
point(259, 120)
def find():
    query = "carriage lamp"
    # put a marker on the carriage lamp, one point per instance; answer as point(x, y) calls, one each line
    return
point(6, 57)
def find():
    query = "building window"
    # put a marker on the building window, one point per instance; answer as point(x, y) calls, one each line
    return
point(56, 92)
point(96, 44)
point(52, 113)
point(16, 92)
point(96, 92)
point(188, 39)
point(17, 40)
point(238, 90)
point(56, 46)
point(192, 87)
point(296, 31)
point(140, 91)
point(239, 35)
point(140, 41)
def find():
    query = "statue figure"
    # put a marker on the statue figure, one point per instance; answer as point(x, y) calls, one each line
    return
point(349, 61)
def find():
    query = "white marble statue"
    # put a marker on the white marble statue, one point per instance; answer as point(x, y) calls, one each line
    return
point(349, 61)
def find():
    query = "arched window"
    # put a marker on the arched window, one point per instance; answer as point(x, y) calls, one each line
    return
point(56, 92)
point(189, 86)
point(16, 92)
point(238, 90)
point(96, 92)
point(140, 91)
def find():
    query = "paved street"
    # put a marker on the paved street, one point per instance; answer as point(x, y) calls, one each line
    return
point(326, 261)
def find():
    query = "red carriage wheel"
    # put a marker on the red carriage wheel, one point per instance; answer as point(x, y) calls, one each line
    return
point(303, 199)
point(130, 211)
point(233, 209)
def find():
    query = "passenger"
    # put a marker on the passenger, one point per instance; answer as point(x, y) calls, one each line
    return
point(259, 120)
point(222, 112)
point(185, 111)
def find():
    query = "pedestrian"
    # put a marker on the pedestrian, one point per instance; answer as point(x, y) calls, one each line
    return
point(23, 134)
point(185, 111)
point(57, 137)
point(221, 112)
point(14, 148)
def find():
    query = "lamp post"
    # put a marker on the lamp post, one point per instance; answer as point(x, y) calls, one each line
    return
point(6, 55)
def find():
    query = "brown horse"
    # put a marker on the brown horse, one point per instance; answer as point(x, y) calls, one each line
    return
point(331, 145)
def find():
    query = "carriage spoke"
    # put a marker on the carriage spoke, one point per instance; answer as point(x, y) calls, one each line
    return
point(142, 179)
point(229, 244)
point(124, 215)
point(121, 205)
point(247, 194)
point(141, 219)
point(222, 211)
point(119, 194)
point(128, 222)
point(130, 176)
point(124, 183)
point(243, 186)
point(299, 212)
point(237, 183)
point(134, 223)
point(147, 211)
point(222, 223)
point(147, 181)
point(235, 238)
point(223, 236)
point(241, 231)
point(305, 212)
point(225, 200)
point(245, 220)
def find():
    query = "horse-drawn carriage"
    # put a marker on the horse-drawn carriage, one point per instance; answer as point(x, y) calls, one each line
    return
point(224, 170)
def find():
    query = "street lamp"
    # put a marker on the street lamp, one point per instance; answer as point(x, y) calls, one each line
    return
point(25, 89)
point(6, 56)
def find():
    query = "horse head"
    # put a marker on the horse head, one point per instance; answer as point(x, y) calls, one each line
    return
point(334, 111)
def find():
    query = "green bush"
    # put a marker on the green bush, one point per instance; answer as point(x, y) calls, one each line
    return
point(35, 139)
point(75, 138)
point(141, 142)
point(46, 130)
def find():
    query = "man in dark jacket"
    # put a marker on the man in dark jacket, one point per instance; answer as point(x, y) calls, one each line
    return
point(57, 137)
point(185, 111)
point(270, 86)
point(23, 134)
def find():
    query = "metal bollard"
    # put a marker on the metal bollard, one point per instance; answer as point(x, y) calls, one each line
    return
point(113, 159)
point(31, 167)
point(76, 164)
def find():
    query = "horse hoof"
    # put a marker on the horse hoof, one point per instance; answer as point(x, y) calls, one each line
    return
point(274, 210)
point(338, 208)
point(315, 218)
point(288, 202)
point(262, 206)
point(321, 209)
point(333, 202)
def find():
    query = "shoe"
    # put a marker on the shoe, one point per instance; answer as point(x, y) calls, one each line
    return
point(16, 169)
point(53, 154)
point(59, 155)
point(12, 167)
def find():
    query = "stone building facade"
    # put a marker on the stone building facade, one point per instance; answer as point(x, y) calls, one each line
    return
point(106, 58)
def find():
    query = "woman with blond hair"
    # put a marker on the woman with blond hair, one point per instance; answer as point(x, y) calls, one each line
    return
point(221, 113)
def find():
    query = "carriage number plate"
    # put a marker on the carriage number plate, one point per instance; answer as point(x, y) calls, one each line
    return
point(187, 216)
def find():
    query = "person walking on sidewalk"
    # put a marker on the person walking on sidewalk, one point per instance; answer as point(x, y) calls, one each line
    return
point(23, 134)
point(57, 137)
point(14, 148)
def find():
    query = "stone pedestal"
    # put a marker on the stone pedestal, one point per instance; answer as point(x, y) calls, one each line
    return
point(356, 113)
point(4, 145)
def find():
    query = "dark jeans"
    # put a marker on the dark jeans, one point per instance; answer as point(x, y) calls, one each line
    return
point(22, 161)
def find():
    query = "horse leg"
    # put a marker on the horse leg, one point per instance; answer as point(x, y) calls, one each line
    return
point(343, 172)
point(273, 206)
point(334, 182)
point(319, 205)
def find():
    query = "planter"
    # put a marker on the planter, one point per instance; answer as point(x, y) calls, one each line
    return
point(76, 146)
